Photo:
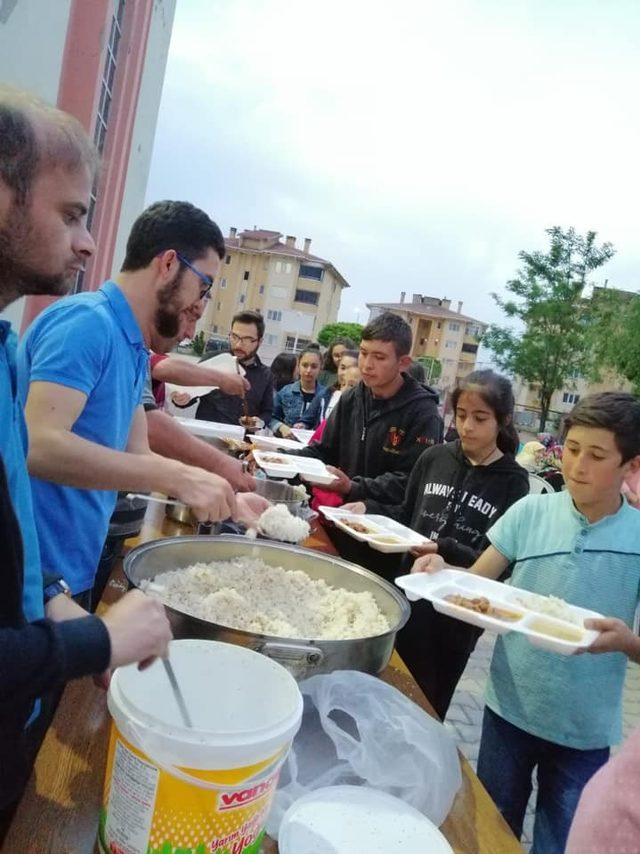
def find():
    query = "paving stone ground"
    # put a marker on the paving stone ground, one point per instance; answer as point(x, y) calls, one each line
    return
point(464, 719)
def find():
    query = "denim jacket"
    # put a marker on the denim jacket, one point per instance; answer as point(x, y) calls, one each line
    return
point(289, 405)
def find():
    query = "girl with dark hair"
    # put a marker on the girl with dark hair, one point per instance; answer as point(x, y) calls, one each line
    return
point(455, 493)
point(292, 401)
point(329, 374)
point(284, 369)
point(324, 404)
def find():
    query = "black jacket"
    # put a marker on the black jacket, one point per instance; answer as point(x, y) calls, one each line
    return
point(228, 409)
point(378, 442)
point(454, 502)
point(35, 657)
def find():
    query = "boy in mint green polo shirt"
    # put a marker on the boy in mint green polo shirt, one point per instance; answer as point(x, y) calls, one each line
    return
point(560, 714)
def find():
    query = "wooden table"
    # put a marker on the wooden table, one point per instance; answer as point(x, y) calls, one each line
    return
point(59, 811)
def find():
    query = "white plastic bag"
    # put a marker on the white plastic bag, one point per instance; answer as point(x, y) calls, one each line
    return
point(358, 730)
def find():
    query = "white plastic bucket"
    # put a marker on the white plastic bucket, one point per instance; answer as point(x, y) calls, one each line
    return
point(206, 790)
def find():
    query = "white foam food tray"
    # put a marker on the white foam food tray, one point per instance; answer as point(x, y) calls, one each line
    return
point(303, 436)
point(270, 443)
point(544, 631)
point(277, 464)
point(211, 429)
point(383, 534)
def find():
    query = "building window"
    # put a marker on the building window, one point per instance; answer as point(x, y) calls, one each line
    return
point(274, 315)
point(450, 344)
point(219, 306)
point(570, 397)
point(309, 272)
point(246, 276)
point(454, 327)
point(272, 340)
point(242, 298)
point(261, 289)
point(291, 344)
point(215, 327)
point(227, 260)
point(223, 284)
point(469, 348)
point(310, 297)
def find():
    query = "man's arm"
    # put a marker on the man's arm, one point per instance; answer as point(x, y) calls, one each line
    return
point(181, 372)
point(59, 455)
point(170, 439)
point(490, 564)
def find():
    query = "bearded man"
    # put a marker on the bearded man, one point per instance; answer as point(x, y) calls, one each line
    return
point(82, 367)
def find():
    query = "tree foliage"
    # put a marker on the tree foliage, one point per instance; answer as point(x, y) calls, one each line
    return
point(614, 337)
point(198, 343)
point(547, 300)
point(332, 331)
point(432, 367)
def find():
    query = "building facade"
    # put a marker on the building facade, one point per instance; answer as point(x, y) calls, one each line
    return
point(296, 292)
point(103, 61)
point(439, 333)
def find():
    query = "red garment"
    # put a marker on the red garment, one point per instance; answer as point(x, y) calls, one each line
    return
point(158, 387)
point(322, 497)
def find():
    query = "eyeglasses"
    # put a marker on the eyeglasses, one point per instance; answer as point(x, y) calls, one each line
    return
point(204, 278)
point(245, 340)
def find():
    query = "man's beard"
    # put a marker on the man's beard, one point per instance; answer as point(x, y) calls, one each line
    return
point(17, 276)
point(167, 315)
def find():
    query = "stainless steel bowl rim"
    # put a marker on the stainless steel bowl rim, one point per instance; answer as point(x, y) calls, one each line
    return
point(400, 598)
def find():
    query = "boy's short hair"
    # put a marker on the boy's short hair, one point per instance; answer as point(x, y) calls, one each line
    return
point(616, 411)
point(389, 327)
point(171, 225)
point(250, 316)
point(417, 371)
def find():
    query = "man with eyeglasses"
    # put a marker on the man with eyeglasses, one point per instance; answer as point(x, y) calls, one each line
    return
point(247, 331)
point(82, 366)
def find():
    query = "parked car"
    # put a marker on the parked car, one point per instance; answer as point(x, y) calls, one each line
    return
point(216, 344)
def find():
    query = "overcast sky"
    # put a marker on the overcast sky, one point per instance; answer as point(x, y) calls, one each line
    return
point(420, 144)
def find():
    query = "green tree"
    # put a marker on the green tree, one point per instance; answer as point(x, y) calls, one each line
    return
point(432, 367)
point(614, 337)
point(332, 331)
point(547, 299)
point(198, 343)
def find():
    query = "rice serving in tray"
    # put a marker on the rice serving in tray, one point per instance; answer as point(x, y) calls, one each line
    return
point(248, 594)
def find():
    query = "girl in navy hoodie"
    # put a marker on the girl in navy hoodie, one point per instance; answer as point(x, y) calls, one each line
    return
point(456, 491)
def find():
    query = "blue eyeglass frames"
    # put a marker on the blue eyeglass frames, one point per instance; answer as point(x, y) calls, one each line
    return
point(206, 280)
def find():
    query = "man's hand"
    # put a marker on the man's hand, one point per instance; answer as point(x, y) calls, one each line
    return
point(358, 507)
point(615, 636)
point(138, 629)
point(181, 398)
point(429, 563)
point(233, 471)
point(233, 384)
point(342, 483)
point(209, 496)
point(250, 508)
point(285, 431)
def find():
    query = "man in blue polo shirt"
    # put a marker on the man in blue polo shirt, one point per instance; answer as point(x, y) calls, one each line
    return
point(560, 714)
point(82, 366)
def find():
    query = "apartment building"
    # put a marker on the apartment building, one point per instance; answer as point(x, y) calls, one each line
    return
point(104, 62)
point(438, 332)
point(296, 292)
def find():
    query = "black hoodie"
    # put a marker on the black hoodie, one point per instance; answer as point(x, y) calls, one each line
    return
point(454, 502)
point(377, 442)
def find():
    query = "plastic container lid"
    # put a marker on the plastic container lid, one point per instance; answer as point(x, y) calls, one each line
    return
point(357, 820)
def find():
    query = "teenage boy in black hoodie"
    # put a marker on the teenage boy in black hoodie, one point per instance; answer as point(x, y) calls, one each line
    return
point(378, 429)
point(46, 173)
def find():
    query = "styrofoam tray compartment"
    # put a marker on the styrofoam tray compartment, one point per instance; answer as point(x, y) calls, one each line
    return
point(541, 630)
point(211, 429)
point(272, 443)
point(381, 526)
point(286, 465)
point(303, 436)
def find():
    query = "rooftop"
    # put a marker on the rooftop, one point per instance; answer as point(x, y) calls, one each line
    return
point(426, 310)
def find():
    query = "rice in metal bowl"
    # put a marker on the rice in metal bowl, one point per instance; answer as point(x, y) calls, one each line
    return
point(247, 593)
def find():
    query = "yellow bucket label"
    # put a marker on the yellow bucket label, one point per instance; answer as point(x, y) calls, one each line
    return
point(148, 811)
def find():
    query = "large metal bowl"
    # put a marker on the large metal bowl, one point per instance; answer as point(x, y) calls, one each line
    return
point(301, 656)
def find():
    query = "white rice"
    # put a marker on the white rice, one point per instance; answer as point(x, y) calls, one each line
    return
point(551, 606)
point(246, 593)
point(277, 523)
